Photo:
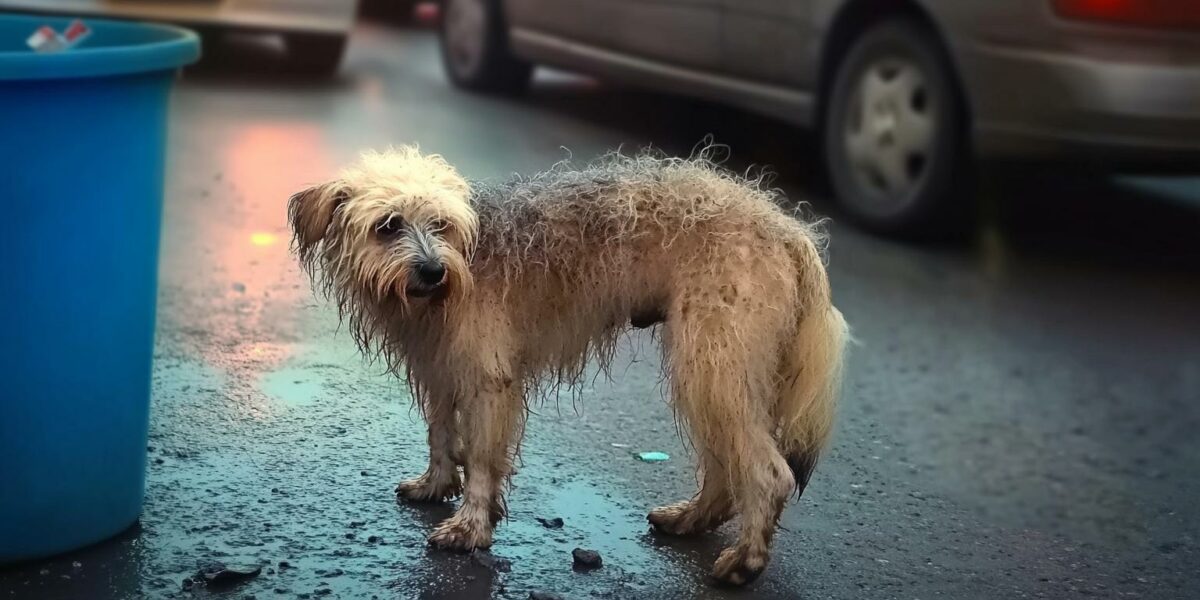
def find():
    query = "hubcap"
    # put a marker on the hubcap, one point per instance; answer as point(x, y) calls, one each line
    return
point(465, 31)
point(889, 129)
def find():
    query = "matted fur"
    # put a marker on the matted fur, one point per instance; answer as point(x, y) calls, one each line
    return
point(543, 275)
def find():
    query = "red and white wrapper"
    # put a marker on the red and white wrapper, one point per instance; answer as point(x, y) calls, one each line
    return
point(76, 32)
point(45, 39)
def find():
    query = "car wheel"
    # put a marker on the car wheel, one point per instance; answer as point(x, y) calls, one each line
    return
point(894, 136)
point(319, 54)
point(475, 54)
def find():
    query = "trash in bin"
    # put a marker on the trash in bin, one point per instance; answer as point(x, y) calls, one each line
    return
point(45, 39)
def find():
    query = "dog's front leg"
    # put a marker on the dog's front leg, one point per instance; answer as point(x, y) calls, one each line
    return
point(490, 422)
point(440, 481)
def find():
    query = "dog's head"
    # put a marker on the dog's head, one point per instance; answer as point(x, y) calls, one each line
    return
point(396, 228)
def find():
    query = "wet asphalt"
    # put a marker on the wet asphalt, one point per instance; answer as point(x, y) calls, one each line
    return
point(1019, 417)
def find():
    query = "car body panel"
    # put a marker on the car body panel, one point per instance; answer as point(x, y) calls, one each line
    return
point(575, 20)
point(302, 16)
point(1034, 84)
point(683, 33)
point(786, 103)
point(752, 29)
point(1043, 86)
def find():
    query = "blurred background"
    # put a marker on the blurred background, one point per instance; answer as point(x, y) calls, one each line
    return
point(1013, 191)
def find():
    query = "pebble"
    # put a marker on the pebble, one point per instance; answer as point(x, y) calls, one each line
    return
point(221, 575)
point(588, 559)
point(554, 523)
point(491, 561)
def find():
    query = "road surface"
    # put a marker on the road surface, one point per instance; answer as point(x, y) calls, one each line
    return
point(1019, 417)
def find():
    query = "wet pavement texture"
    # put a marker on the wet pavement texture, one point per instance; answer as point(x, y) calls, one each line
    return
point(1019, 417)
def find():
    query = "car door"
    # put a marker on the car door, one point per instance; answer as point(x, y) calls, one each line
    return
point(681, 33)
point(579, 21)
point(769, 41)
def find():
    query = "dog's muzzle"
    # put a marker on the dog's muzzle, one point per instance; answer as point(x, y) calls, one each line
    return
point(430, 278)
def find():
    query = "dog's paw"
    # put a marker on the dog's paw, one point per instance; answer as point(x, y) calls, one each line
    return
point(429, 489)
point(737, 566)
point(683, 518)
point(460, 535)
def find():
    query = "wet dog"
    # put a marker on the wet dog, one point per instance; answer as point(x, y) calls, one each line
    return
point(481, 295)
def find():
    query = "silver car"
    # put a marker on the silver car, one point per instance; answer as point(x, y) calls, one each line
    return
point(906, 94)
point(315, 31)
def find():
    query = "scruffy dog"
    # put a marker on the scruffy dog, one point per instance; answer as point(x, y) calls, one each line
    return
point(484, 294)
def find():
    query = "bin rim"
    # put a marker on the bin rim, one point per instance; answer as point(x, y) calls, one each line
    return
point(160, 48)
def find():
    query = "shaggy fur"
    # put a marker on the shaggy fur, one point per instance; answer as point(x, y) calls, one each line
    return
point(542, 275)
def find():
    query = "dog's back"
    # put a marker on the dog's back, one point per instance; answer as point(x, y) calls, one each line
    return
point(615, 240)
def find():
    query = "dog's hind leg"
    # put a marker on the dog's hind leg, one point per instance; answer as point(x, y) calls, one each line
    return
point(711, 507)
point(440, 481)
point(489, 428)
point(762, 483)
point(723, 363)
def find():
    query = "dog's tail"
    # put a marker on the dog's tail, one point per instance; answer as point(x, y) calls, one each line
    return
point(812, 370)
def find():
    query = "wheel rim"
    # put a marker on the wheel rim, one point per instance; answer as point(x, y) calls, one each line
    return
point(888, 133)
point(465, 32)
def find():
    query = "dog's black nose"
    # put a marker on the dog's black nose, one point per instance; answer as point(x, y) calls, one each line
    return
point(431, 272)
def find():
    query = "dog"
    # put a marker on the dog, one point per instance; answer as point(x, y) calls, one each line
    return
point(480, 295)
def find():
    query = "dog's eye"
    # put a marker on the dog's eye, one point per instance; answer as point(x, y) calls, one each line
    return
point(389, 227)
point(438, 225)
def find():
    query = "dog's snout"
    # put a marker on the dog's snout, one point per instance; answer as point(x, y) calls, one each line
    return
point(431, 272)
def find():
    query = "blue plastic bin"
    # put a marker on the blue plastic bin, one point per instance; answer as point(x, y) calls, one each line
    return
point(82, 136)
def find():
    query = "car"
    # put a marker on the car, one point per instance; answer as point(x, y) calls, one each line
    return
point(315, 31)
point(906, 95)
point(394, 11)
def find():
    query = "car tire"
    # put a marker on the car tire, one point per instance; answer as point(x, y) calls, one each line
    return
point(894, 135)
point(317, 54)
point(475, 52)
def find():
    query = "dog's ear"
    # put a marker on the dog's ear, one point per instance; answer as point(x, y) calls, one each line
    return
point(310, 213)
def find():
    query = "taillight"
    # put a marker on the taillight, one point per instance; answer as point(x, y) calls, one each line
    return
point(1164, 14)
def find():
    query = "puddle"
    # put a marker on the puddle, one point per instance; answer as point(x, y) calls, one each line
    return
point(293, 385)
point(591, 521)
point(312, 374)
